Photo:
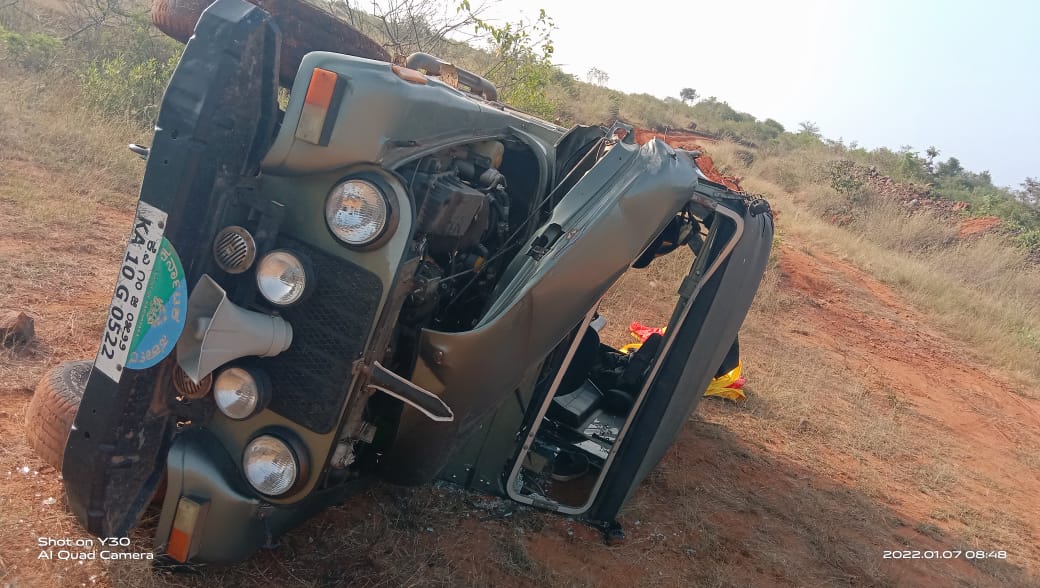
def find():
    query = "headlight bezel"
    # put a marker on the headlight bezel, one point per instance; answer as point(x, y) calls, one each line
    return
point(305, 266)
point(385, 191)
point(297, 452)
point(260, 380)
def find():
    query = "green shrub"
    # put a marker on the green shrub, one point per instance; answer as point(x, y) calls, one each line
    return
point(525, 90)
point(1030, 239)
point(33, 51)
point(120, 88)
point(843, 178)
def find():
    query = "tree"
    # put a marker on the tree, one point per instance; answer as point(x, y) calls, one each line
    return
point(930, 154)
point(1030, 193)
point(522, 67)
point(911, 167)
point(774, 127)
point(409, 25)
point(688, 95)
point(807, 127)
point(93, 14)
point(597, 76)
point(950, 167)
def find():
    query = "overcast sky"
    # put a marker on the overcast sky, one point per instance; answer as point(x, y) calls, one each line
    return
point(961, 75)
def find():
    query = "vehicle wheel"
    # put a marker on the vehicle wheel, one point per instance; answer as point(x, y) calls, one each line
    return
point(305, 28)
point(177, 18)
point(53, 409)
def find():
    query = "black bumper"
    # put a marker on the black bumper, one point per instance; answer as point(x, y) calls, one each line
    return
point(217, 118)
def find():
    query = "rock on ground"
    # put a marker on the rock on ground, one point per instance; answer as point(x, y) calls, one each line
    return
point(16, 328)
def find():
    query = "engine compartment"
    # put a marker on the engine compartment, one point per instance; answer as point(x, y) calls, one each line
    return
point(474, 207)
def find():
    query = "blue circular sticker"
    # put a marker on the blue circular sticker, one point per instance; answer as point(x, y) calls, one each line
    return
point(163, 307)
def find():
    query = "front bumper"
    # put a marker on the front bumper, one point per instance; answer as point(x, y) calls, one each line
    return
point(234, 523)
point(216, 121)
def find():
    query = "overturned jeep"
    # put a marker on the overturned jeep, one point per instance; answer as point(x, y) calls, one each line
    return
point(396, 277)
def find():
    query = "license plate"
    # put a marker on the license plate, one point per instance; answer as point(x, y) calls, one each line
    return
point(135, 273)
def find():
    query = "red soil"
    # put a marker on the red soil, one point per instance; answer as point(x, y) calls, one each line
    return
point(978, 226)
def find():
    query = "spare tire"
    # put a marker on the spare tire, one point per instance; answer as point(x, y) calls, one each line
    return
point(305, 28)
point(53, 409)
point(177, 18)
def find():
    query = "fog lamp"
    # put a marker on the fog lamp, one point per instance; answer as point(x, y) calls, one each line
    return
point(240, 393)
point(282, 277)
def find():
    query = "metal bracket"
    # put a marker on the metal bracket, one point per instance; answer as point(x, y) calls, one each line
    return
point(419, 398)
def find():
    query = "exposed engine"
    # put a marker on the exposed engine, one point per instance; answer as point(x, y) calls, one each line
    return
point(466, 225)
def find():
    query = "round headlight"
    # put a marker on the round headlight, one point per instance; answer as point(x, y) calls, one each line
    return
point(356, 212)
point(239, 393)
point(270, 465)
point(281, 277)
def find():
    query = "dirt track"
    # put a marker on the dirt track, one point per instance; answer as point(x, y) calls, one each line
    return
point(966, 431)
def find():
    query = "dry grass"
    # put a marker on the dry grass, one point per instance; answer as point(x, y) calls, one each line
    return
point(990, 305)
point(1030, 457)
point(645, 295)
point(982, 291)
point(67, 186)
point(937, 477)
point(67, 178)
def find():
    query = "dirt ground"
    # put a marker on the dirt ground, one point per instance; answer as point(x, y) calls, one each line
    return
point(977, 226)
point(866, 431)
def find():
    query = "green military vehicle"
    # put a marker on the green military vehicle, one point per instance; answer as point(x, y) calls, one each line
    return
point(395, 276)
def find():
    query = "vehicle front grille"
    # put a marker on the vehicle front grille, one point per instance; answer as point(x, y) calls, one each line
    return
point(330, 327)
